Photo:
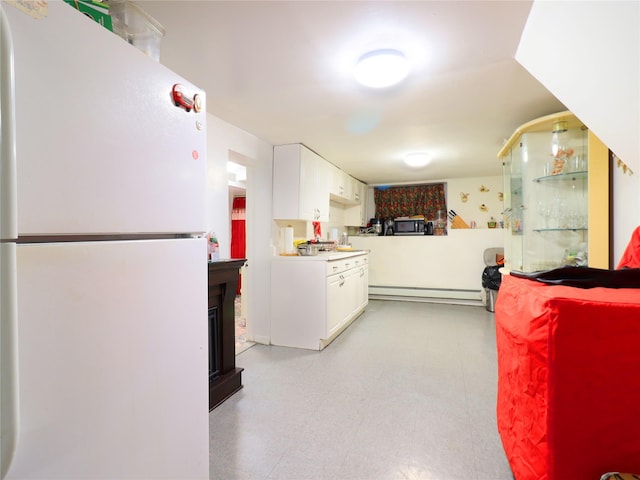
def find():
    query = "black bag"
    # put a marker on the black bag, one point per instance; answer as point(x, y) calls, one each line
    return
point(491, 277)
point(586, 277)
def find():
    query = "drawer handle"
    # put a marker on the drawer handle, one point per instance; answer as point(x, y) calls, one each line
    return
point(335, 267)
point(341, 280)
point(346, 265)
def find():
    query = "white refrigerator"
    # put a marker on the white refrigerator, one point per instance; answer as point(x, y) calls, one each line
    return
point(103, 274)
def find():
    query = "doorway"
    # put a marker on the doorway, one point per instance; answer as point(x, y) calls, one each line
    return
point(237, 175)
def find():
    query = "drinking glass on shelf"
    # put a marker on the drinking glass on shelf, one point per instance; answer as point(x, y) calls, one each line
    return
point(544, 212)
point(554, 213)
point(578, 163)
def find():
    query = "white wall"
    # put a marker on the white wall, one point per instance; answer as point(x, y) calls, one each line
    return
point(626, 210)
point(587, 53)
point(227, 142)
point(480, 191)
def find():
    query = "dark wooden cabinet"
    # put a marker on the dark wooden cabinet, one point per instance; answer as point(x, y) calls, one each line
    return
point(224, 378)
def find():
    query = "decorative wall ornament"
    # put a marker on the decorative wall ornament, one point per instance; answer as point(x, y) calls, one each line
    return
point(464, 197)
point(500, 196)
point(483, 208)
point(622, 165)
point(483, 189)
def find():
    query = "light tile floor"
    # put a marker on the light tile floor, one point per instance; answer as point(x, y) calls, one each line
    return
point(407, 392)
point(240, 327)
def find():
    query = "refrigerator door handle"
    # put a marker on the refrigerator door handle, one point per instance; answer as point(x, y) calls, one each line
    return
point(8, 172)
point(9, 423)
point(9, 395)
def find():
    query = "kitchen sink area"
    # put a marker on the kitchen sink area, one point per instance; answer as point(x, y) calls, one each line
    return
point(315, 298)
point(324, 256)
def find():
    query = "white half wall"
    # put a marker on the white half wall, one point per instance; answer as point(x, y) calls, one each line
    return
point(449, 263)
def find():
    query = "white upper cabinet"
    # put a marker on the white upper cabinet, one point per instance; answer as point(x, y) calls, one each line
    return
point(300, 184)
point(344, 188)
point(304, 183)
point(336, 182)
point(355, 214)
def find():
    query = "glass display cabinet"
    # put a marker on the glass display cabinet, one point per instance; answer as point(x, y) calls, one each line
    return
point(546, 167)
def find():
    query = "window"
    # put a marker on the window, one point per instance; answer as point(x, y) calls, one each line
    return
point(408, 200)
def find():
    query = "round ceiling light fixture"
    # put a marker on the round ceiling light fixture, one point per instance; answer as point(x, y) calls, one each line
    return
point(381, 68)
point(417, 159)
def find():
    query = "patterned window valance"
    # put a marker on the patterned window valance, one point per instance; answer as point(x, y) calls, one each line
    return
point(402, 201)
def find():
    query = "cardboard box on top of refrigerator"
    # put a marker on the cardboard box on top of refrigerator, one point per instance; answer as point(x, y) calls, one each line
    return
point(97, 11)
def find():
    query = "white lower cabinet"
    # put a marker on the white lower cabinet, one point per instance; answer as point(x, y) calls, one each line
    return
point(313, 300)
point(362, 290)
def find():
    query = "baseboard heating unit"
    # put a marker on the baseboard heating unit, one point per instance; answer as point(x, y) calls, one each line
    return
point(421, 294)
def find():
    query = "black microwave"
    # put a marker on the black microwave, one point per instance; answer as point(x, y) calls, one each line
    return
point(408, 226)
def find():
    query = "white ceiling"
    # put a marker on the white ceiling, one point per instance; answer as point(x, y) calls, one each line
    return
point(281, 71)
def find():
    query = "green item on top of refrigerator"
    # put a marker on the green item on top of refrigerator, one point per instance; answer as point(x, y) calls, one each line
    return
point(97, 11)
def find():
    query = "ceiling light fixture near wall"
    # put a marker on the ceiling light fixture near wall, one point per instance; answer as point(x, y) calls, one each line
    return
point(381, 68)
point(417, 159)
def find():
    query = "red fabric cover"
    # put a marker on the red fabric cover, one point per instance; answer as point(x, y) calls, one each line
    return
point(238, 232)
point(568, 379)
point(631, 256)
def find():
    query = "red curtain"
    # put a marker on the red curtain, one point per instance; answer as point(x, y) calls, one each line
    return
point(238, 231)
point(392, 202)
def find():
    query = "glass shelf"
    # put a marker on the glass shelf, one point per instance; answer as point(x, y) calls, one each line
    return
point(562, 177)
point(568, 229)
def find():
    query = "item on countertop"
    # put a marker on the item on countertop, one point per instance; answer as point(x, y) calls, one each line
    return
point(440, 224)
point(308, 249)
point(286, 240)
point(376, 224)
point(367, 232)
point(213, 248)
point(321, 246)
point(344, 239)
point(388, 227)
point(317, 231)
point(456, 220)
point(428, 228)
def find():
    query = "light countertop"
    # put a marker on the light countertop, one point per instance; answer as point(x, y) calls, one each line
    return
point(322, 256)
